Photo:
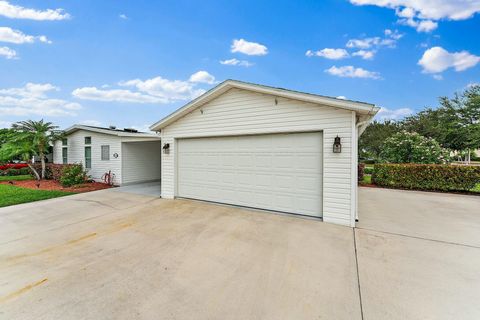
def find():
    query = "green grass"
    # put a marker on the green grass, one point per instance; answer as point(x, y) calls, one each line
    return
point(16, 178)
point(10, 195)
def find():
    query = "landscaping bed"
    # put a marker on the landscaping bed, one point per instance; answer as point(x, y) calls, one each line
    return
point(55, 185)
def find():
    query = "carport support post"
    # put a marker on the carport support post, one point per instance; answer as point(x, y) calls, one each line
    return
point(354, 171)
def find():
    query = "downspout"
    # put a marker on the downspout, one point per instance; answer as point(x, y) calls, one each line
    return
point(360, 126)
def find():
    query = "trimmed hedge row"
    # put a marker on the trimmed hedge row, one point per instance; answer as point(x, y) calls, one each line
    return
point(426, 176)
point(15, 172)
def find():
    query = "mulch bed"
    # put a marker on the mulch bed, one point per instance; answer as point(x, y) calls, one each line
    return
point(55, 185)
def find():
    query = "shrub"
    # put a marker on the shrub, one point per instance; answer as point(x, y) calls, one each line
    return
point(368, 170)
point(408, 147)
point(52, 171)
point(361, 171)
point(426, 177)
point(72, 175)
point(25, 171)
point(12, 172)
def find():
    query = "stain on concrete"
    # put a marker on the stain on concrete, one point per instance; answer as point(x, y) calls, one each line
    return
point(22, 290)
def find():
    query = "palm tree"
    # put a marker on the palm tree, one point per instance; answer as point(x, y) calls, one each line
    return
point(20, 146)
point(41, 134)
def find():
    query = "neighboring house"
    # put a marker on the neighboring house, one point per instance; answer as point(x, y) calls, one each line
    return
point(132, 156)
point(263, 147)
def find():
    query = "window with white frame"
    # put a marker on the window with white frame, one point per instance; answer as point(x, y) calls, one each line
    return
point(105, 152)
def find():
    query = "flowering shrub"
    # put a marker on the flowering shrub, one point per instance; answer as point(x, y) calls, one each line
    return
point(407, 147)
point(52, 171)
point(72, 175)
point(13, 166)
point(426, 176)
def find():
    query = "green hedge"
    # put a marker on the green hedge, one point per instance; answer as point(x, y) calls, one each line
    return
point(426, 176)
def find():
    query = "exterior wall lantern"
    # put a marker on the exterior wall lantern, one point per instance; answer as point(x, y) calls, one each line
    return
point(337, 145)
point(166, 148)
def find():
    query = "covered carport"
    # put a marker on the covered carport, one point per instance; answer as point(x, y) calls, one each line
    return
point(141, 161)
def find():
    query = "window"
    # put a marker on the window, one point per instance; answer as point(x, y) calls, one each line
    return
point(64, 155)
point(105, 152)
point(88, 157)
point(64, 142)
point(88, 140)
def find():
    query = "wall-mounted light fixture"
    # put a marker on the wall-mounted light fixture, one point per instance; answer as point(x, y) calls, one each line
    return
point(337, 145)
point(166, 148)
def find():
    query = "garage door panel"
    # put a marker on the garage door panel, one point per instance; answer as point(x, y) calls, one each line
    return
point(280, 172)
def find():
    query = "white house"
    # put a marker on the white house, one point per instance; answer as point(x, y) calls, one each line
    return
point(131, 156)
point(263, 147)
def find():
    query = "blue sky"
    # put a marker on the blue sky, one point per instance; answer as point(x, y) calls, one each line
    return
point(130, 63)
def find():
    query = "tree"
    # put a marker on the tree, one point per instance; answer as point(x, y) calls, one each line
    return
point(371, 141)
point(20, 145)
point(455, 124)
point(408, 147)
point(40, 135)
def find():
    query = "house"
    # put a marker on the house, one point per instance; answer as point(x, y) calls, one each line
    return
point(131, 156)
point(263, 147)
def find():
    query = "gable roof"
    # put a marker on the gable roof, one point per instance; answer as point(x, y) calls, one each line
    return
point(111, 131)
point(363, 108)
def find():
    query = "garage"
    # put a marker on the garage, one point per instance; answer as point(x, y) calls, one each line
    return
point(281, 172)
point(268, 148)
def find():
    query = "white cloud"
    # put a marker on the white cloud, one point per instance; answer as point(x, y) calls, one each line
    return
point(154, 90)
point(114, 95)
point(352, 72)
point(32, 99)
point(15, 36)
point(423, 14)
point(236, 62)
point(364, 54)
point(248, 48)
point(342, 97)
point(437, 59)
point(395, 114)
point(329, 53)
point(437, 77)
point(17, 12)
point(123, 16)
point(202, 77)
point(8, 53)
point(5, 124)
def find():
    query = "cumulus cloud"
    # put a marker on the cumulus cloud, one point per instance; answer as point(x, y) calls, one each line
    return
point(115, 95)
point(389, 40)
point(154, 90)
point(202, 77)
point(329, 53)
point(248, 48)
point(17, 12)
point(342, 97)
point(437, 60)
point(352, 72)
point(393, 114)
point(8, 53)
point(15, 36)
point(236, 62)
point(123, 16)
point(423, 14)
point(33, 99)
point(364, 54)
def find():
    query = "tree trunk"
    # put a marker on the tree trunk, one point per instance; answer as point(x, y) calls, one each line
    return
point(34, 171)
point(42, 159)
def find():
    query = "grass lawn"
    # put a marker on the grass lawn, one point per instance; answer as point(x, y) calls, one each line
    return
point(16, 178)
point(10, 195)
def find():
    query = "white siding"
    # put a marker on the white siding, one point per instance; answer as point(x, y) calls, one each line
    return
point(241, 112)
point(76, 153)
point(141, 161)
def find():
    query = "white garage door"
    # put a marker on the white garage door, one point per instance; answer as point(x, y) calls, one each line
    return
point(281, 172)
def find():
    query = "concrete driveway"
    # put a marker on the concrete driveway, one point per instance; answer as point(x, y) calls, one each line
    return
point(120, 255)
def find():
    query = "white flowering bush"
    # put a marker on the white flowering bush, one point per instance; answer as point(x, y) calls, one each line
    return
point(410, 147)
